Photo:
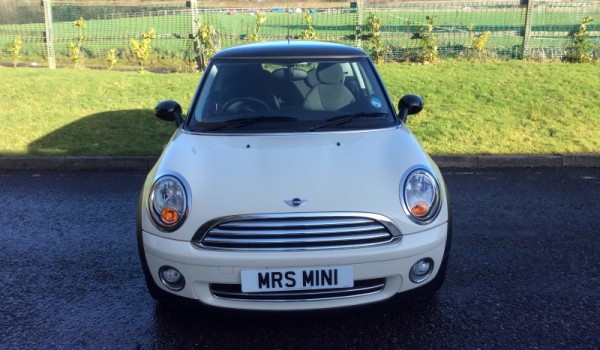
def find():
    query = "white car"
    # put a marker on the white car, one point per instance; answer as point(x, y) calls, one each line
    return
point(292, 184)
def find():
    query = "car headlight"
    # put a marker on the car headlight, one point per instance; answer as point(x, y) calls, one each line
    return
point(420, 196)
point(168, 202)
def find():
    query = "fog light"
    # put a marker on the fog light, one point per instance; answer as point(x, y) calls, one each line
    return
point(421, 270)
point(171, 278)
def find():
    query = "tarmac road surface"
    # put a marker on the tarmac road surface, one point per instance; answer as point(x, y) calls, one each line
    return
point(523, 273)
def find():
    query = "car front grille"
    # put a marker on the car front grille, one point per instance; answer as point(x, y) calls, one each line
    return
point(296, 231)
point(361, 288)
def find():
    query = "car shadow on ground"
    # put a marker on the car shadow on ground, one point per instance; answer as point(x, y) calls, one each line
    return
point(124, 132)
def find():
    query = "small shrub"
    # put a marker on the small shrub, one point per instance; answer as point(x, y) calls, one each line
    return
point(310, 33)
point(580, 48)
point(142, 50)
point(428, 42)
point(478, 50)
point(206, 42)
point(75, 49)
point(259, 21)
point(15, 50)
point(111, 58)
point(480, 41)
point(377, 48)
point(74, 54)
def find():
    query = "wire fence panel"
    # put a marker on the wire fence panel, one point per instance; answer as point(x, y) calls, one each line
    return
point(234, 26)
point(112, 27)
point(112, 24)
point(553, 21)
point(25, 21)
point(454, 25)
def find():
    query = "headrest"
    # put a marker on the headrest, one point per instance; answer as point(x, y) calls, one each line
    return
point(311, 78)
point(330, 73)
point(289, 74)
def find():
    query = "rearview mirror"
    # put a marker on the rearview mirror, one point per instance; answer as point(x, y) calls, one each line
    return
point(170, 111)
point(408, 105)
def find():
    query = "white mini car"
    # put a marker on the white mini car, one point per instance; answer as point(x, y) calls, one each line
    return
point(292, 184)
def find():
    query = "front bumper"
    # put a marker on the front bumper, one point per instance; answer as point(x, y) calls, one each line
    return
point(203, 267)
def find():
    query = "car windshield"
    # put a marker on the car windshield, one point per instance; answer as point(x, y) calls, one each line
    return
point(290, 96)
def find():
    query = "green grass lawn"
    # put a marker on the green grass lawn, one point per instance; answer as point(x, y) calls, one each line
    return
point(470, 108)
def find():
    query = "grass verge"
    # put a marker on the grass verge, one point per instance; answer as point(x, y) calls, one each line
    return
point(510, 107)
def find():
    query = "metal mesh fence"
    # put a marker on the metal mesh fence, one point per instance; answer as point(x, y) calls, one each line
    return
point(111, 25)
point(553, 21)
point(455, 25)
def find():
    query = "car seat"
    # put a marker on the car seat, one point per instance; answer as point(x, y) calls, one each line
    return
point(330, 93)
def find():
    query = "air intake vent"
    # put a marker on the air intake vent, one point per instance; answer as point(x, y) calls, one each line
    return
point(361, 288)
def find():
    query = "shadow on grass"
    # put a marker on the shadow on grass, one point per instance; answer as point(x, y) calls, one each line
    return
point(134, 132)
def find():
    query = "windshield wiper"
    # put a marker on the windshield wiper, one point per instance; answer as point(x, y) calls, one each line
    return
point(243, 122)
point(343, 119)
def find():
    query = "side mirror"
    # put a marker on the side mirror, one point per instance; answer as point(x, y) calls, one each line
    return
point(170, 111)
point(408, 105)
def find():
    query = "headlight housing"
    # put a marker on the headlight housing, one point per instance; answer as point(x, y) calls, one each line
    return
point(420, 196)
point(168, 202)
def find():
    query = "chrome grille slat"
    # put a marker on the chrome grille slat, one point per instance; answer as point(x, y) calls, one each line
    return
point(361, 288)
point(262, 231)
point(295, 240)
point(296, 231)
point(284, 223)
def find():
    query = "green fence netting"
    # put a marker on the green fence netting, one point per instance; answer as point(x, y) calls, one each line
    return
point(111, 25)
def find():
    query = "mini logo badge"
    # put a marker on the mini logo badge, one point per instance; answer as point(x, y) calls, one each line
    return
point(296, 202)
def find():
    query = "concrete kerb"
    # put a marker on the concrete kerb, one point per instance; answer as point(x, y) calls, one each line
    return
point(518, 161)
point(69, 163)
point(77, 163)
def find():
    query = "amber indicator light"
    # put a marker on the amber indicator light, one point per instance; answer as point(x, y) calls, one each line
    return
point(169, 216)
point(419, 209)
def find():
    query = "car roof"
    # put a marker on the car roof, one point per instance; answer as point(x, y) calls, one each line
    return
point(289, 49)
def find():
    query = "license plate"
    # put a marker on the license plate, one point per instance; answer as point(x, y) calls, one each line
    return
point(303, 278)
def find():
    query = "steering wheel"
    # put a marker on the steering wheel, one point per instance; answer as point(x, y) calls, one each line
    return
point(245, 105)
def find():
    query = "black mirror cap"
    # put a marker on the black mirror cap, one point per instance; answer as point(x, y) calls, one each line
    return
point(409, 105)
point(170, 111)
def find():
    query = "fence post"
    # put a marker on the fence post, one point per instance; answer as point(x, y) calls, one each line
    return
point(49, 34)
point(193, 6)
point(527, 31)
point(357, 5)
